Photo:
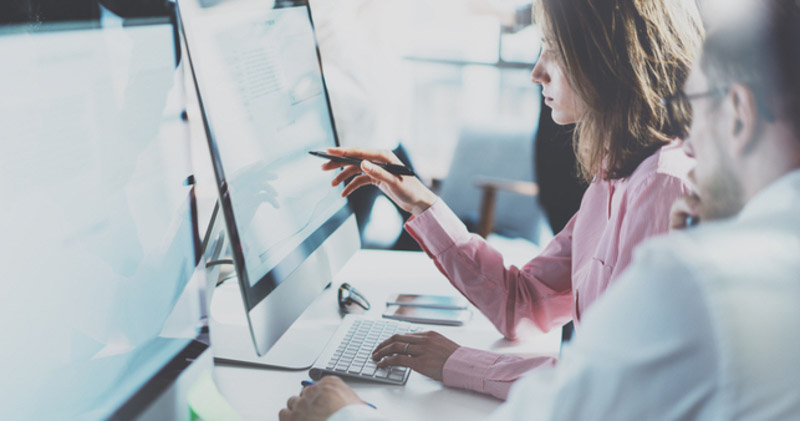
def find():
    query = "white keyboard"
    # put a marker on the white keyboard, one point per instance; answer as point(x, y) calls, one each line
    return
point(349, 352)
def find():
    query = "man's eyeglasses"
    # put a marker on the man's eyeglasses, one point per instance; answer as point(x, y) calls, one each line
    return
point(349, 296)
point(680, 103)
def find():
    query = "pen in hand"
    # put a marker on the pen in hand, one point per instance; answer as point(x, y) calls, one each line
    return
point(392, 168)
point(306, 383)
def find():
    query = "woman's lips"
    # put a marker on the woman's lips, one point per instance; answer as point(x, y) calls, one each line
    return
point(548, 100)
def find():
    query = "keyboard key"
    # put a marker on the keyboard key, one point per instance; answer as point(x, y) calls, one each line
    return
point(396, 376)
point(382, 373)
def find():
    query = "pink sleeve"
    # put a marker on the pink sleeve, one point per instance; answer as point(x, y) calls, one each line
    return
point(648, 207)
point(488, 372)
point(540, 291)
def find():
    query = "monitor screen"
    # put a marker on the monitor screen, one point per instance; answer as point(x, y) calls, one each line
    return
point(266, 105)
point(97, 235)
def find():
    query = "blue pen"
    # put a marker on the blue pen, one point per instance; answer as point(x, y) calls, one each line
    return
point(306, 383)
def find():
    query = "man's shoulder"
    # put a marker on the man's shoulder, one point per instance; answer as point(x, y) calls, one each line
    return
point(728, 252)
point(718, 301)
point(744, 274)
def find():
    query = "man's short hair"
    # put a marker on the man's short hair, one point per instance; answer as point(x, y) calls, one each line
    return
point(762, 51)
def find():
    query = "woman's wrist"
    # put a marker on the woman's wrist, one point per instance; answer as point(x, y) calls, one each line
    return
point(423, 204)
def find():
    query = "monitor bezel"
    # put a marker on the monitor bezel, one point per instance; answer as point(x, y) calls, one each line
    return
point(255, 293)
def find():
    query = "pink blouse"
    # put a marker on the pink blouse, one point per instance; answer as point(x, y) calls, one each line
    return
point(565, 279)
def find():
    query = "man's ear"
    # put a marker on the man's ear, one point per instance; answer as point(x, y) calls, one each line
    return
point(745, 122)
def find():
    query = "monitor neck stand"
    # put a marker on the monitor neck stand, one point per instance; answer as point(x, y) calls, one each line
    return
point(310, 312)
point(297, 349)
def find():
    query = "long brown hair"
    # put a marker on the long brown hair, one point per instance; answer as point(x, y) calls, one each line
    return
point(621, 58)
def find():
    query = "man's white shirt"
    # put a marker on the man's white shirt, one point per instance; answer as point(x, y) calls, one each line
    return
point(705, 324)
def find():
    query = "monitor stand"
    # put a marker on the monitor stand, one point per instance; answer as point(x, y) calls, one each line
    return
point(297, 349)
point(303, 307)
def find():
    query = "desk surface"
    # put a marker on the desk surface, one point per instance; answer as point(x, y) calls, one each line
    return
point(260, 393)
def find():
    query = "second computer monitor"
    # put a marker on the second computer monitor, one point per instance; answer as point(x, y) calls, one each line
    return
point(265, 105)
point(97, 249)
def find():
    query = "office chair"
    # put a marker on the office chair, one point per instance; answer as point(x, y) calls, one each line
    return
point(490, 185)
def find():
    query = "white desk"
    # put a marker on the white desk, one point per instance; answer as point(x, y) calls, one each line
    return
point(260, 393)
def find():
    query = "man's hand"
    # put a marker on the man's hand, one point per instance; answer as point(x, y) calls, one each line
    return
point(320, 401)
point(685, 212)
point(424, 352)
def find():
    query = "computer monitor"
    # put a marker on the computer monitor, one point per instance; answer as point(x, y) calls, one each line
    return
point(97, 237)
point(265, 105)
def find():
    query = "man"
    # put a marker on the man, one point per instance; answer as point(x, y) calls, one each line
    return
point(705, 324)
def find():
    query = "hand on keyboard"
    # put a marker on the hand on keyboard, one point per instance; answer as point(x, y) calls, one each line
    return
point(352, 357)
point(423, 352)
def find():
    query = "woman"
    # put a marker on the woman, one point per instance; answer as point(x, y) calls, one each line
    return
point(604, 66)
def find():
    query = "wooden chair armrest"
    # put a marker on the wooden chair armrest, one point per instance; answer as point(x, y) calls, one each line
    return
point(490, 187)
point(525, 188)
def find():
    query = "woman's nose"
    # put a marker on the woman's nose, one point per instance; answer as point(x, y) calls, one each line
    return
point(538, 75)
